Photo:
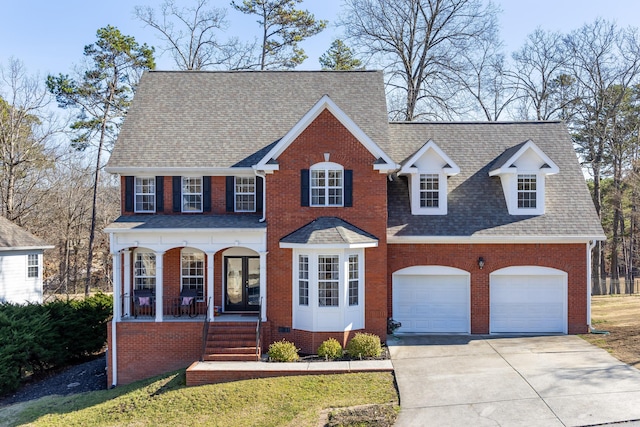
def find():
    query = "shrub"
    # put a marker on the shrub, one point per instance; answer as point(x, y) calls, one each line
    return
point(283, 351)
point(364, 345)
point(330, 349)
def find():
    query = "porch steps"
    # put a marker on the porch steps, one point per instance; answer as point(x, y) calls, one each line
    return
point(231, 342)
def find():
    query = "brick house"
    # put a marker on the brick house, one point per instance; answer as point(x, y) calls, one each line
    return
point(286, 201)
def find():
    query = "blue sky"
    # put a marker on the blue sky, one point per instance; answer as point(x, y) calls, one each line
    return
point(49, 36)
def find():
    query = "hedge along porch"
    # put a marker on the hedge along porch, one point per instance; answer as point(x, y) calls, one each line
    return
point(163, 335)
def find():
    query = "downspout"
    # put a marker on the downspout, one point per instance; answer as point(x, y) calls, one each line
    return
point(590, 247)
point(114, 354)
point(264, 193)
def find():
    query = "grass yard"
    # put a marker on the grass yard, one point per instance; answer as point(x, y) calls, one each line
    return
point(165, 400)
point(620, 316)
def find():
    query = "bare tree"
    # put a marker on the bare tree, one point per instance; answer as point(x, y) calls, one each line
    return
point(27, 130)
point(193, 36)
point(419, 43)
point(542, 76)
point(484, 78)
point(605, 61)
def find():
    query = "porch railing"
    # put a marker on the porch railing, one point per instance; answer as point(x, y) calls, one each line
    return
point(205, 330)
point(172, 307)
point(259, 328)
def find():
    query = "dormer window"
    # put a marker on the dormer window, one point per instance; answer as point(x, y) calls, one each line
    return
point(527, 195)
point(427, 171)
point(522, 170)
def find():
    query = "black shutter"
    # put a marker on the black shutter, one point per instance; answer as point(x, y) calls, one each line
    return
point(348, 188)
point(177, 193)
point(259, 192)
point(159, 193)
point(230, 193)
point(206, 193)
point(128, 193)
point(304, 187)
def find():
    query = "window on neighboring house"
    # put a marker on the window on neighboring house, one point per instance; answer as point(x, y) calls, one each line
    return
point(192, 272)
point(245, 194)
point(144, 271)
point(326, 185)
point(429, 190)
point(145, 194)
point(328, 281)
point(303, 280)
point(191, 194)
point(527, 191)
point(33, 266)
point(354, 280)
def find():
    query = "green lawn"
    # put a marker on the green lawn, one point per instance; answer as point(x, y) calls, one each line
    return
point(165, 400)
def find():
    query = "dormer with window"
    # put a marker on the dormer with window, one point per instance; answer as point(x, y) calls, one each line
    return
point(427, 171)
point(522, 170)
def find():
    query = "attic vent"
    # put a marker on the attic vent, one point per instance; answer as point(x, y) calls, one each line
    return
point(545, 166)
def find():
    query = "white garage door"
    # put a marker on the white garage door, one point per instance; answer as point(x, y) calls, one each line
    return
point(431, 303)
point(528, 303)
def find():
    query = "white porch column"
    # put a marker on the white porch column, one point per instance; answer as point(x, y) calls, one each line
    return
point(159, 286)
point(263, 285)
point(127, 283)
point(210, 299)
point(117, 292)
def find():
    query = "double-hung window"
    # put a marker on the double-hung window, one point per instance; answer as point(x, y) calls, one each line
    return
point(192, 272)
point(354, 280)
point(527, 193)
point(429, 190)
point(328, 281)
point(245, 194)
point(191, 194)
point(303, 280)
point(144, 271)
point(33, 266)
point(327, 181)
point(145, 194)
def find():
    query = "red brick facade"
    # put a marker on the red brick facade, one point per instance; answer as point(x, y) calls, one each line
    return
point(570, 258)
point(148, 348)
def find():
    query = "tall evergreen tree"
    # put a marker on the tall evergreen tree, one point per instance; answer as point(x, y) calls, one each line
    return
point(102, 93)
point(340, 57)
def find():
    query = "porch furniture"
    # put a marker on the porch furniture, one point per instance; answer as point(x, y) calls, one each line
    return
point(143, 303)
point(186, 303)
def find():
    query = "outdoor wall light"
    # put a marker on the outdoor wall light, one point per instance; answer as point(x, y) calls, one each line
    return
point(480, 262)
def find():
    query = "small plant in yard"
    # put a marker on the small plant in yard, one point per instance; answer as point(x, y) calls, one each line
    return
point(364, 345)
point(330, 349)
point(283, 351)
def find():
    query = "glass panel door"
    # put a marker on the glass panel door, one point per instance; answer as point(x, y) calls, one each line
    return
point(242, 283)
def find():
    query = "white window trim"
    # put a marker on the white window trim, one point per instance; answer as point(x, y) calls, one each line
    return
point(340, 318)
point(187, 251)
point(236, 193)
point(510, 189)
point(30, 265)
point(136, 194)
point(135, 270)
point(414, 185)
point(326, 167)
point(182, 194)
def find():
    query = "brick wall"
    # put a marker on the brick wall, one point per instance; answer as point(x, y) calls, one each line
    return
point(285, 215)
point(146, 349)
point(570, 258)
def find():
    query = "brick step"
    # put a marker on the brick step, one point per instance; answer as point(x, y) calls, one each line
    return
point(216, 324)
point(232, 343)
point(231, 357)
point(236, 331)
point(232, 350)
point(231, 337)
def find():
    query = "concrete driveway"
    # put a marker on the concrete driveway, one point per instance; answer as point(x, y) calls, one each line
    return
point(546, 381)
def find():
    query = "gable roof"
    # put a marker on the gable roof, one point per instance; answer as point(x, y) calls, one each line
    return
point(219, 120)
point(329, 231)
point(451, 168)
point(14, 237)
point(476, 203)
point(504, 163)
point(383, 161)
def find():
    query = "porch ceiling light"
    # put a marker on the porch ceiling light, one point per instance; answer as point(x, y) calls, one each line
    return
point(480, 262)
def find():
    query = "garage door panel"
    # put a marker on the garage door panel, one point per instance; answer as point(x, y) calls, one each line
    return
point(528, 303)
point(431, 303)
